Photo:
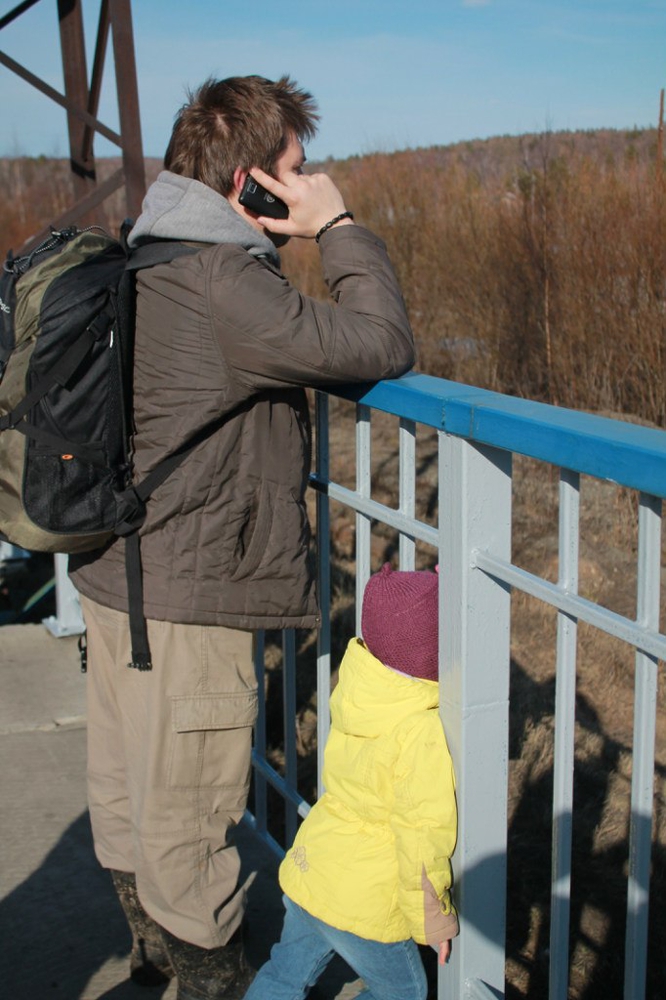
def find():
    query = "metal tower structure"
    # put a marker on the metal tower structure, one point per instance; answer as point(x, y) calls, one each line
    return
point(81, 100)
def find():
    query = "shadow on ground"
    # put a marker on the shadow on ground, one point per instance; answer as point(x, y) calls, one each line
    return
point(63, 924)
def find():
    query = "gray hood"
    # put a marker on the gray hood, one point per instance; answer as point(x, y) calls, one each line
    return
point(179, 208)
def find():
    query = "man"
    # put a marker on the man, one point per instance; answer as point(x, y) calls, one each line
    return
point(225, 542)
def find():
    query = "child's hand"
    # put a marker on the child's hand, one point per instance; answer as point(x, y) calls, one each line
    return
point(444, 952)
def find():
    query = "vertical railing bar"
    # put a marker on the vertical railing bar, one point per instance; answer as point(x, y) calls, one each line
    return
point(260, 784)
point(68, 619)
point(289, 716)
point(407, 476)
point(324, 583)
point(642, 780)
point(364, 489)
point(474, 618)
point(565, 721)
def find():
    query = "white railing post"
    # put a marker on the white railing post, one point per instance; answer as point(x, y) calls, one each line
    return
point(68, 619)
point(323, 586)
point(645, 719)
point(475, 513)
point(9, 552)
point(363, 489)
point(565, 724)
point(407, 476)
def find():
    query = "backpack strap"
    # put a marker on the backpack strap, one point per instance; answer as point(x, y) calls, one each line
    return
point(132, 500)
point(157, 252)
point(140, 658)
point(133, 504)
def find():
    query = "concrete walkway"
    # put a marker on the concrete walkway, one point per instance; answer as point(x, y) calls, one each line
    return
point(62, 932)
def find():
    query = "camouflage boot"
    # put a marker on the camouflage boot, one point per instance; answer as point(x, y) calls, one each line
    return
point(149, 961)
point(210, 973)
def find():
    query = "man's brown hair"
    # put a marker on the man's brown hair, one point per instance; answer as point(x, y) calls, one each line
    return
point(243, 121)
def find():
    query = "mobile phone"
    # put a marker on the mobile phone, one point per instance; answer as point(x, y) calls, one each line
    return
point(261, 201)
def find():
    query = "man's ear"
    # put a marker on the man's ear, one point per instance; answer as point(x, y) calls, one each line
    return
point(239, 179)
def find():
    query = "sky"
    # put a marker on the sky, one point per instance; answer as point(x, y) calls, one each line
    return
point(387, 75)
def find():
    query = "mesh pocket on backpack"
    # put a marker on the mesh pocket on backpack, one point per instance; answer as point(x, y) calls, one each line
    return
point(63, 493)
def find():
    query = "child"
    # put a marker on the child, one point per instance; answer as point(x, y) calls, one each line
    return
point(369, 873)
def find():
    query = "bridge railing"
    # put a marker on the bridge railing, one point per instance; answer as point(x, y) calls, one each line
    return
point(470, 536)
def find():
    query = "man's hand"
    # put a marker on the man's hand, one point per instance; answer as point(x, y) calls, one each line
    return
point(312, 200)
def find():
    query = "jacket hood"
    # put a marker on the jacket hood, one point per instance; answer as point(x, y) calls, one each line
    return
point(370, 698)
point(179, 208)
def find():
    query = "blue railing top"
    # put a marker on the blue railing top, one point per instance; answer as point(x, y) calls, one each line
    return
point(620, 452)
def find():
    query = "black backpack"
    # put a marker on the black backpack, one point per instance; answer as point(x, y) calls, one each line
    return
point(66, 356)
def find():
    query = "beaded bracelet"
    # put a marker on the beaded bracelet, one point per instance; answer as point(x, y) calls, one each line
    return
point(338, 218)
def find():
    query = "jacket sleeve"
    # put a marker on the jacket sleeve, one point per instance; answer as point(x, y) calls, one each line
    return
point(424, 822)
point(271, 335)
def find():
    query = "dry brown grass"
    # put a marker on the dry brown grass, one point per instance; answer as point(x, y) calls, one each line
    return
point(533, 267)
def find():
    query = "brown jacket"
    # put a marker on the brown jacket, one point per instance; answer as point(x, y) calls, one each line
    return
point(226, 539)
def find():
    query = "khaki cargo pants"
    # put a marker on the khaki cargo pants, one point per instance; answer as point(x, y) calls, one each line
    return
point(169, 766)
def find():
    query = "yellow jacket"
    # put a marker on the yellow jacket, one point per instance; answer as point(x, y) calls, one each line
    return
point(372, 856)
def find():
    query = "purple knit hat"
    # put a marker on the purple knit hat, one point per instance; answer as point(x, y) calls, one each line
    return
point(399, 620)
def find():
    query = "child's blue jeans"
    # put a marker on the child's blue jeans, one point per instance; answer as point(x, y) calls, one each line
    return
point(389, 971)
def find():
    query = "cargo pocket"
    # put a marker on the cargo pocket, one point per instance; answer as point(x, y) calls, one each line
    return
point(211, 740)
